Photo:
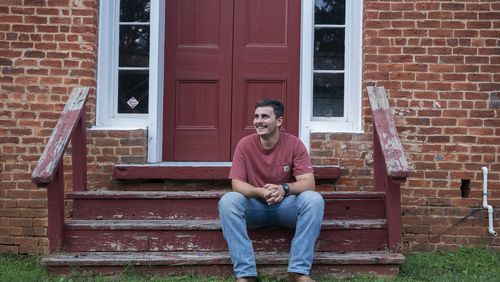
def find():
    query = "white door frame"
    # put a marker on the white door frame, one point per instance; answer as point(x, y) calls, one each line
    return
point(351, 123)
point(156, 77)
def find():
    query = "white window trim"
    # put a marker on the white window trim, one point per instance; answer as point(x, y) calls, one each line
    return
point(106, 77)
point(352, 77)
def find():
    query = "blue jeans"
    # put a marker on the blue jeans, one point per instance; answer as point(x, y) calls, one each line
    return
point(303, 211)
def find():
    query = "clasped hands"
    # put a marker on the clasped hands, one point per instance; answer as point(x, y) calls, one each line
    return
point(272, 193)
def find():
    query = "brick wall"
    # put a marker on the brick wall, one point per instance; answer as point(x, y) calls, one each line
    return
point(440, 64)
point(438, 60)
point(47, 47)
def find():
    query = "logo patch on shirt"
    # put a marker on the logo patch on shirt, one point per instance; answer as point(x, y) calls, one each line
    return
point(286, 168)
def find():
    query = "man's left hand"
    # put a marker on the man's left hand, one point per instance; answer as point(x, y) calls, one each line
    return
point(274, 193)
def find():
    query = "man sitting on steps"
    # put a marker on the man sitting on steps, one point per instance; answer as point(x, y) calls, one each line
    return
point(273, 184)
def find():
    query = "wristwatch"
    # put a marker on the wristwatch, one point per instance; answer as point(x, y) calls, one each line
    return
point(286, 188)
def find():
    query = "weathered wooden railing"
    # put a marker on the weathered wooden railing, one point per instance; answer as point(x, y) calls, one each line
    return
point(49, 170)
point(390, 165)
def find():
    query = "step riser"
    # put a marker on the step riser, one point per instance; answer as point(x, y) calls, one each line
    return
point(205, 208)
point(172, 185)
point(145, 208)
point(212, 240)
point(276, 271)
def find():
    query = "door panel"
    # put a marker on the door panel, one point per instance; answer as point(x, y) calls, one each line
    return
point(199, 23)
point(265, 61)
point(254, 91)
point(198, 54)
point(264, 22)
point(197, 105)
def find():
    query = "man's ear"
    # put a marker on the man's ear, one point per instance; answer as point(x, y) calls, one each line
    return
point(280, 121)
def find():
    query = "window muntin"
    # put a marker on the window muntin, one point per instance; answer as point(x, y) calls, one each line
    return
point(132, 95)
point(329, 59)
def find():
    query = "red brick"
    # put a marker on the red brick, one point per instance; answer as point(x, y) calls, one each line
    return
point(489, 86)
point(453, 24)
point(438, 139)
point(439, 86)
point(428, 77)
point(466, 15)
point(465, 33)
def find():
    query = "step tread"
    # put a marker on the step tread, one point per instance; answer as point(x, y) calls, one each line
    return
point(144, 194)
point(212, 258)
point(205, 224)
point(200, 195)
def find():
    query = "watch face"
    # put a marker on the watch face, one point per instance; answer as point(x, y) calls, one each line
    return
point(286, 188)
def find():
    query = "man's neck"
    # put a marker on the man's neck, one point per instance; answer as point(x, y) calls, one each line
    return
point(268, 142)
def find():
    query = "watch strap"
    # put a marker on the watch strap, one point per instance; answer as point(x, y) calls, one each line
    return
point(286, 188)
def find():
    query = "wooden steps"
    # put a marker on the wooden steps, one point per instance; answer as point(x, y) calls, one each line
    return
point(179, 231)
point(161, 221)
point(117, 222)
point(218, 263)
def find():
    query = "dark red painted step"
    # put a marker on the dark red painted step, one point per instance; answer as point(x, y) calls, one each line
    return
point(219, 264)
point(196, 171)
point(203, 205)
point(205, 235)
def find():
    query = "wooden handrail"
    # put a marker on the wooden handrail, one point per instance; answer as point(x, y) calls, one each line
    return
point(390, 165)
point(387, 135)
point(49, 171)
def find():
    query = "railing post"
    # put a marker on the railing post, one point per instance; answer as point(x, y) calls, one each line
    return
point(55, 203)
point(79, 155)
point(384, 183)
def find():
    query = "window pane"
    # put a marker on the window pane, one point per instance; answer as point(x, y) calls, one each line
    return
point(134, 46)
point(133, 87)
point(328, 96)
point(329, 48)
point(134, 10)
point(329, 11)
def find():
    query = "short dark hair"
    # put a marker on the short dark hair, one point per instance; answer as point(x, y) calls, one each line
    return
point(277, 106)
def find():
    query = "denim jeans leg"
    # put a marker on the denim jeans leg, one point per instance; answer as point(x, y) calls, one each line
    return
point(236, 214)
point(310, 216)
point(305, 212)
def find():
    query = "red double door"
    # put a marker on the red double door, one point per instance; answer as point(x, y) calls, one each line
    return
point(221, 56)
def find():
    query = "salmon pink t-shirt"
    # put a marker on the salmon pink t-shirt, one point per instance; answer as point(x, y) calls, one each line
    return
point(258, 166)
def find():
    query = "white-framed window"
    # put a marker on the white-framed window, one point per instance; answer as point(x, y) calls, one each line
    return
point(130, 65)
point(331, 66)
point(123, 64)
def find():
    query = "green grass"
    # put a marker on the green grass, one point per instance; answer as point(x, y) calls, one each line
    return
point(466, 264)
point(21, 268)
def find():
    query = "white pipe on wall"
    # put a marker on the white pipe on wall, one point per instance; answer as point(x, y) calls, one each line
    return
point(485, 202)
